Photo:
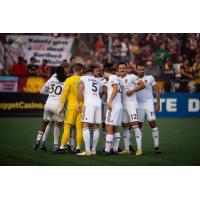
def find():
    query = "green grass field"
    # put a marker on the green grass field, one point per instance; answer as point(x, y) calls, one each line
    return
point(179, 140)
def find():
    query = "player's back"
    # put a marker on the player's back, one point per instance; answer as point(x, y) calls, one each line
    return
point(92, 87)
point(55, 88)
point(71, 88)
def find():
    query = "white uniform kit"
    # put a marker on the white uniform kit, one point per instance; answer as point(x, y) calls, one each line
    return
point(92, 102)
point(130, 105)
point(114, 116)
point(54, 88)
point(145, 100)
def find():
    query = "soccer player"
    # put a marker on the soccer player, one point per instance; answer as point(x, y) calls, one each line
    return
point(70, 94)
point(114, 110)
point(146, 104)
point(130, 85)
point(54, 87)
point(89, 89)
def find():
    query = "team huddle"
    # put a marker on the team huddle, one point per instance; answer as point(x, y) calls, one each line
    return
point(90, 98)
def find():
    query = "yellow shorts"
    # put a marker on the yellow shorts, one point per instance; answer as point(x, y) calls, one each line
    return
point(72, 117)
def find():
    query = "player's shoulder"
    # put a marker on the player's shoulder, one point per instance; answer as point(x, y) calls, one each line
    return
point(149, 77)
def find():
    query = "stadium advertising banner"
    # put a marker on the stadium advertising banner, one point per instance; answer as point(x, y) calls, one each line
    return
point(55, 50)
point(179, 105)
point(8, 84)
point(32, 104)
point(21, 104)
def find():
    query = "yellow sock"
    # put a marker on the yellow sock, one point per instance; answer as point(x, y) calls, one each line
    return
point(79, 135)
point(66, 134)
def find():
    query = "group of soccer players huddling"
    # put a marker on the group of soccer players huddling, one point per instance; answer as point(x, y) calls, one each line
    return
point(91, 97)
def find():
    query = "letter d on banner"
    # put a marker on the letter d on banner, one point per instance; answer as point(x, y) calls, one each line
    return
point(193, 105)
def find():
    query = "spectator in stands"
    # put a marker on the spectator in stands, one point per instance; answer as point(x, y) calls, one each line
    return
point(150, 69)
point(99, 43)
point(116, 56)
point(167, 74)
point(161, 55)
point(186, 75)
point(194, 85)
point(44, 69)
point(20, 68)
point(72, 60)
point(1, 70)
point(124, 49)
point(33, 69)
point(103, 56)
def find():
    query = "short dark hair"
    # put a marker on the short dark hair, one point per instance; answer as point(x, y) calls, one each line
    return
point(60, 73)
point(122, 63)
point(78, 67)
point(91, 68)
point(108, 67)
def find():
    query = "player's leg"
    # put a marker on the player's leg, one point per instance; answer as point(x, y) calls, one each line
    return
point(56, 133)
point(97, 121)
point(104, 110)
point(79, 132)
point(151, 117)
point(116, 140)
point(133, 115)
point(40, 135)
point(44, 137)
point(67, 127)
point(126, 132)
point(109, 133)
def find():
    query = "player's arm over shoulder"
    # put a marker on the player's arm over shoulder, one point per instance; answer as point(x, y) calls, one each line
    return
point(65, 92)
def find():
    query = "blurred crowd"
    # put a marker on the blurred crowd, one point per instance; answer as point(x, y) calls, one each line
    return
point(173, 59)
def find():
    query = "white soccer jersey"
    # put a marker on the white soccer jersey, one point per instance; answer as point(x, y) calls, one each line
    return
point(146, 95)
point(92, 87)
point(113, 79)
point(55, 88)
point(129, 82)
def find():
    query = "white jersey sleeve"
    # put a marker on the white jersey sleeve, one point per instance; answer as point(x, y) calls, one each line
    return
point(153, 82)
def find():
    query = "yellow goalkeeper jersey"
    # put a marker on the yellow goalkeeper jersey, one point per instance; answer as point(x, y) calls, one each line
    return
point(70, 92)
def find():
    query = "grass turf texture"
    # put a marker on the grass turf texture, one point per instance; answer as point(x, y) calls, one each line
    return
point(179, 142)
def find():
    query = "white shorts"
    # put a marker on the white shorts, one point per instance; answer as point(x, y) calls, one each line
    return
point(130, 115)
point(146, 110)
point(50, 114)
point(114, 116)
point(92, 114)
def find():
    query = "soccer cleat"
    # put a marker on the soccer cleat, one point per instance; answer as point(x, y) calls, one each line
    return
point(125, 152)
point(59, 151)
point(78, 151)
point(85, 153)
point(55, 149)
point(119, 149)
point(67, 148)
point(94, 153)
point(36, 145)
point(132, 149)
point(157, 150)
point(43, 147)
point(138, 152)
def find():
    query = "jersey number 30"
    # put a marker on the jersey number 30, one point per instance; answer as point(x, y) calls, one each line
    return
point(55, 89)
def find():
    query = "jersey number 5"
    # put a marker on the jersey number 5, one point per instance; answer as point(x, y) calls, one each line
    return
point(94, 87)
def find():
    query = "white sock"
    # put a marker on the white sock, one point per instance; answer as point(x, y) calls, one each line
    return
point(138, 137)
point(86, 138)
point(109, 141)
point(46, 133)
point(104, 137)
point(73, 137)
point(116, 141)
point(155, 135)
point(126, 138)
point(95, 139)
point(39, 136)
point(56, 134)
